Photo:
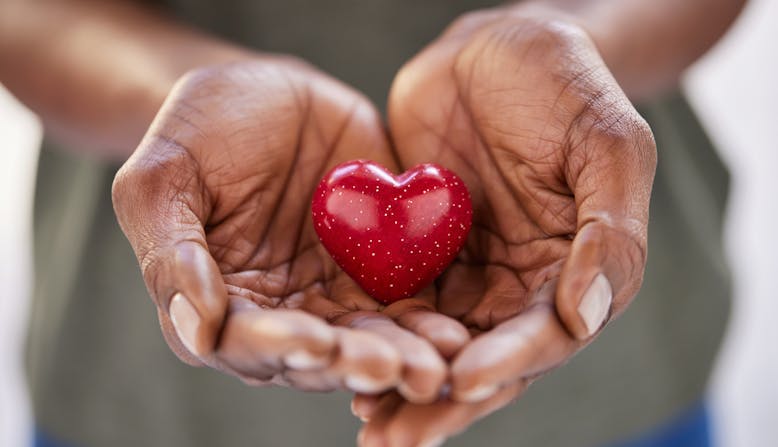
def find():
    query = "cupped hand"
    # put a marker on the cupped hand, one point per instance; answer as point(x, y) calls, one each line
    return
point(216, 204)
point(560, 167)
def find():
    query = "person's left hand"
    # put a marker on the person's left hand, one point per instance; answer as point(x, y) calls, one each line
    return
point(560, 167)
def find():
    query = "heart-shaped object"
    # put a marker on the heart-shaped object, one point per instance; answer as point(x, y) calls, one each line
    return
point(392, 234)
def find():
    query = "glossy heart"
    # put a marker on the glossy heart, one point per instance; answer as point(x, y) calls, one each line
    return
point(392, 234)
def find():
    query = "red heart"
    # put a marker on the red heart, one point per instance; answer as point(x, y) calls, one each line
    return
point(392, 234)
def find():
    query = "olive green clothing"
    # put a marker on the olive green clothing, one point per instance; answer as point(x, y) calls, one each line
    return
point(102, 375)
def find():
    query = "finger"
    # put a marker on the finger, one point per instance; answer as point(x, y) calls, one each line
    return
point(524, 346)
point(446, 334)
point(260, 343)
point(312, 381)
point(370, 434)
point(366, 362)
point(293, 348)
point(363, 363)
point(461, 288)
point(410, 425)
point(423, 369)
point(157, 198)
point(364, 406)
point(505, 296)
point(612, 172)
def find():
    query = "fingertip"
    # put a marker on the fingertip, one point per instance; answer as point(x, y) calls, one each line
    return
point(424, 373)
point(447, 335)
point(476, 393)
point(528, 344)
point(367, 362)
point(199, 303)
point(174, 340)
point(260, 342)
point(602, 273)
point(594, 307)
point(477, 371)
point(187, 323)
point(305, 360)
point(425, 388)
point(363, 405)
point(373, 433)
point(583, 301)
point(450, 339)
point(423, 369)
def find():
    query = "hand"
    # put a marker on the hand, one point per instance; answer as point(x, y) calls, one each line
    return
point(216, 204)
point(560, 168)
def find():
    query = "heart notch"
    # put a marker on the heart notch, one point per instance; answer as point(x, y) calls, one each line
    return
point(393, 235)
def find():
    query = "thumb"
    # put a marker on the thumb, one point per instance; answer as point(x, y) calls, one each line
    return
point(160, 206)
point(612, 188)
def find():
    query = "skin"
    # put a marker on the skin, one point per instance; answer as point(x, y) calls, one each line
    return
point(527, 103)
point(246, 144)
point(522, 105)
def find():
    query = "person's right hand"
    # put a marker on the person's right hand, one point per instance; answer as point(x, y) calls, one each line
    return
point(216, 204)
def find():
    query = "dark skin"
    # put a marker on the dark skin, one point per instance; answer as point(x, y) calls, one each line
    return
point(529, 116)
point(527, 103)
point(241, 248)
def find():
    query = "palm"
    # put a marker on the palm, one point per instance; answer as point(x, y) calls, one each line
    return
point(223, 182)
point(509, 148)
point(259, 182)
point(559, 166)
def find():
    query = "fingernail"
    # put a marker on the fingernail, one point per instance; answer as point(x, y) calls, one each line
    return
point(416, 396)
point(356, 411)
point(595, 304)
point(477, 394)
point(362, 384)
point(186, 321)
point(434, 442)
point(303, 360)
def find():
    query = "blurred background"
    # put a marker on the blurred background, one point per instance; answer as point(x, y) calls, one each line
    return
point(732, 89)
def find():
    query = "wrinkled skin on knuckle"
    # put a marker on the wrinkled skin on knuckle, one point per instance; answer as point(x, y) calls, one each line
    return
point(525, 79)
point(157, 187)
point(537, 43)
point(122, 189)
point(613, 138)
point(223, 115)
point(219, 98)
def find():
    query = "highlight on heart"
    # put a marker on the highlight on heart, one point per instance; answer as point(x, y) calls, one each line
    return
point(392, 234)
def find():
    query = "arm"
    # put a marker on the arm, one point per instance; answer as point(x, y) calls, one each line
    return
point(648, 44)
point(96, 72)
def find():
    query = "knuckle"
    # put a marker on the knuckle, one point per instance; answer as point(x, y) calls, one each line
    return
point(544, 36)
point(161, 167)
point(608, 121)
point(279, 73)
point(471, 20)
point(122, 186)
point(553, 34)
point(208, 75)
point(645, 142)
point(538, 46)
